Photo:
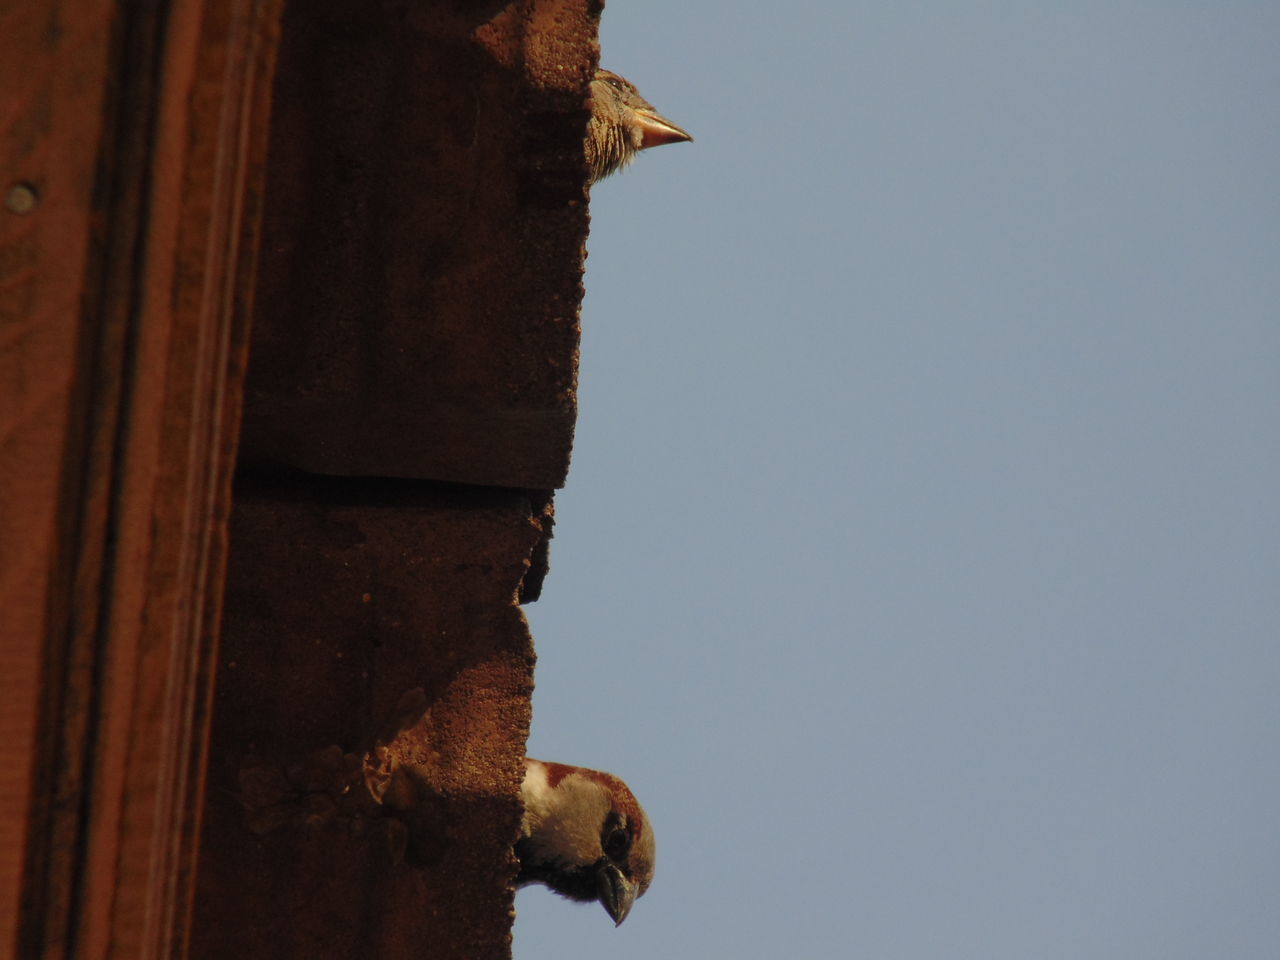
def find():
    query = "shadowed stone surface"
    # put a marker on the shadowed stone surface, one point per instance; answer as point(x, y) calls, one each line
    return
point(416, 318)
point(393, 589)
point(421, 266)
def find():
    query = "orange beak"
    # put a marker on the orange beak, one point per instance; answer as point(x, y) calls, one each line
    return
point(656, 130)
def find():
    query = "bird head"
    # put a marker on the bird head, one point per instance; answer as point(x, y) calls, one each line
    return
point(622, 124)
point(584, 836)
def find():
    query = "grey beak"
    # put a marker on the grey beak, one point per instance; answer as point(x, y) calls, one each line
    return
point(617, 893)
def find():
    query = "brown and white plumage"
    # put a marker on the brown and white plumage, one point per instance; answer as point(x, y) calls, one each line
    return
point(622, 124)
point(585, 836)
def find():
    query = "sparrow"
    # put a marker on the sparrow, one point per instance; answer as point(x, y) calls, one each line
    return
point(584, 835)
point(622, 124)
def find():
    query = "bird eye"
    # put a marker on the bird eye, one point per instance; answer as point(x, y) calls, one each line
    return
point(617, 845)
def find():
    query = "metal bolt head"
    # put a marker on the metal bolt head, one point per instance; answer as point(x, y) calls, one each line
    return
point(21, 199)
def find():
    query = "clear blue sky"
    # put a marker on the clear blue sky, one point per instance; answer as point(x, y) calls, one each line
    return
point(919, 565)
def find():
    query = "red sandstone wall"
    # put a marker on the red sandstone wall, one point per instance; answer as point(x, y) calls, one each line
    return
point(416, 319)
point(420, 193)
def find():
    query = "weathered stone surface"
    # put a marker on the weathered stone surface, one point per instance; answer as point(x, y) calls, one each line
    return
point(417, 318)
point(345, 601)
point(132, 141)
point(420, 279)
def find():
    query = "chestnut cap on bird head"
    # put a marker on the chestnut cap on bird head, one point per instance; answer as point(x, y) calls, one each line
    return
point(585, 836)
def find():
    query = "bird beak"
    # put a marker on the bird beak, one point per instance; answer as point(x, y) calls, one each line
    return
point(655, 130)
point(617, 893)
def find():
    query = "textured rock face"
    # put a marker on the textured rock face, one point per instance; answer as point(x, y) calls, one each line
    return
point(415, 175)
point(409, 408)
point(425, 223)
point(347, 606)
